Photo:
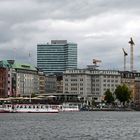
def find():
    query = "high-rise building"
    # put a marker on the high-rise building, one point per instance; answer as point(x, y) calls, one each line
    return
point(57, 56)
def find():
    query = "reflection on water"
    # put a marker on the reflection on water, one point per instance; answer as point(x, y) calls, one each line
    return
point(71, 126)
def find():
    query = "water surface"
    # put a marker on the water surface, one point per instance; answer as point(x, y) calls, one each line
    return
point(70, 126)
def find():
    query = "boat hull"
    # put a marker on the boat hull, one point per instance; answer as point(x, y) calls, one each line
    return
point(4, 111)
point(69, 107)
point(20, 108)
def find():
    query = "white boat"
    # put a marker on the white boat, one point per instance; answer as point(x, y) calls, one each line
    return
point(69, 107)
point(28, 108)
point(3, 110)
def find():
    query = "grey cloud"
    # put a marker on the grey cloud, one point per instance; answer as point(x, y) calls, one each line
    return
point(65, 9)
point(100, 27)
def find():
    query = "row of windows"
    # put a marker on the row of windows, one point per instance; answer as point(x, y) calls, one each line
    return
point(112, 85)
point(96, 93)
point(95, 89)
point(94, 80)
point(74, 84)
point(73, 88)
point(74, 80)
point(110, 80)
point(97, 80)
point(105, 89)
point(97, 85)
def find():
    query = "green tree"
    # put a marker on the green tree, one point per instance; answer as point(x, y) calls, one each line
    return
point(109, 98)
point(123, 94)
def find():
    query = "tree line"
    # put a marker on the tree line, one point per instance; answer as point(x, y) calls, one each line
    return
point(122, 94)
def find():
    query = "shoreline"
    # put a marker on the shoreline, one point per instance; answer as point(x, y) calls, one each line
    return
point(111, 109)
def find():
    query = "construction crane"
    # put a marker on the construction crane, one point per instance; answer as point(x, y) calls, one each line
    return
point(131, 42)
point(125, 54)
point(95, 61)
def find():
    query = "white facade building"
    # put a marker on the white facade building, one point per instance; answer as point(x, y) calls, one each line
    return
point(90, 83)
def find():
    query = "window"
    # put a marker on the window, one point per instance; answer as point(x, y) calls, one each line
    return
point(81, 79)
point(97, 89)
point(81, 84)
point(73, 79)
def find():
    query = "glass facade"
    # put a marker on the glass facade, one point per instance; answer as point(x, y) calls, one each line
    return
point(56, 57)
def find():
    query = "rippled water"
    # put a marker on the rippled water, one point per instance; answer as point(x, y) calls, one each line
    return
point(71, 126)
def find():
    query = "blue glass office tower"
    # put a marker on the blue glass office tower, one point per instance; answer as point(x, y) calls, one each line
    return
point(57, 56)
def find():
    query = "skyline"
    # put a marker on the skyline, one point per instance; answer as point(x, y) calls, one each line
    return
point(100, 28)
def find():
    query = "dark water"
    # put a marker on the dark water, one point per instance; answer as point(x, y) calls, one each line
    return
point(71, 126)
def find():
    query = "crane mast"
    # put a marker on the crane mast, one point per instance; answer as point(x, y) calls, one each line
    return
point(131, 42)
point(125, 54)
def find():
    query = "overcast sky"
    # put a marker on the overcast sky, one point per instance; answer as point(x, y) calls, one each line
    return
point(101, 28)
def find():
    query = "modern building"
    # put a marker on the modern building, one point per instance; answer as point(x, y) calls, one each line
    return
point(22, 79)
point(90, 83)
point(57, 56)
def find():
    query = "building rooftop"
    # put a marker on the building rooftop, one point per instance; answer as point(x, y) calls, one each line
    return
point(56, 42)
point(16, 65)
point(23, 66)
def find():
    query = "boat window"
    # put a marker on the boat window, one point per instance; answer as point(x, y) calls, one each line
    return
point(17, 106)
point(37, 106)
point(41, 106)
point(29, 106)
point(21, 106)
point(33, 106)
point(25, 106)
point(46, 106)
